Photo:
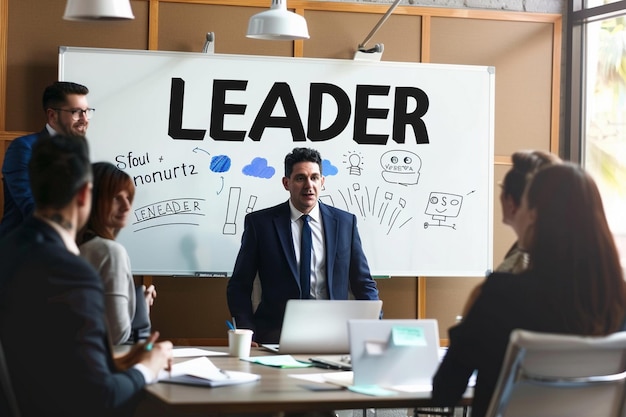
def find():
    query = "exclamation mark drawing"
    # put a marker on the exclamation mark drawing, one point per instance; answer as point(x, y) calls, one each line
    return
point(230, 227)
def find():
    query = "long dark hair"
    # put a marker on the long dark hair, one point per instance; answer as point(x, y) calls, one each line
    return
point(108, 180)
point(572, 249)
point(525, 163)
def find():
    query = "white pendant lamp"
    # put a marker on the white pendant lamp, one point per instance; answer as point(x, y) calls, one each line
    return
point(86, 10)
point(277, 23)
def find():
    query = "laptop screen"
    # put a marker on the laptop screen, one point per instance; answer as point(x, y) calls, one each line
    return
point(321, 326)
point(394, 352)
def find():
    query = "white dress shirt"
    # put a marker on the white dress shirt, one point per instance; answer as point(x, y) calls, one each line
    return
point(319, 288)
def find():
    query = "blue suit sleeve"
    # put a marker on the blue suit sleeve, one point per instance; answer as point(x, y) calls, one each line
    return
point(15, 173)
point(240, 284)
point(361, 282)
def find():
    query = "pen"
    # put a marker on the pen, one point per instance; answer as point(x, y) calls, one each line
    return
point(322, 365)
point(230, 325)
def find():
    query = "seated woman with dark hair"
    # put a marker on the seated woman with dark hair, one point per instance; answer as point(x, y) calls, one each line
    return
point(573, 284)
point(525, 164)
point(113, 192)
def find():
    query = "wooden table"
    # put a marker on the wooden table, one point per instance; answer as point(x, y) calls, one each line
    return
point(274, 393)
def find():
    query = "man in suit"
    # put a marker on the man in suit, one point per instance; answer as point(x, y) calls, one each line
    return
point(67, 113)
point(52, 322)
point(270, 248)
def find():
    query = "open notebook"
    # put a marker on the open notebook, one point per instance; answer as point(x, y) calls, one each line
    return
point(202, 372)
point(321, 326)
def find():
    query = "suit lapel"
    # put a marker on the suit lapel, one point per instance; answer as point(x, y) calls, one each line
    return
point(44, 133)
point(282, 224)
point(330, 241)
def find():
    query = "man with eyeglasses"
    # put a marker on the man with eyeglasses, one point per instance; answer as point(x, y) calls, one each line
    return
point(67, 113)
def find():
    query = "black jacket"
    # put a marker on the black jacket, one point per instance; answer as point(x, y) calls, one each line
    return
point(53, 330)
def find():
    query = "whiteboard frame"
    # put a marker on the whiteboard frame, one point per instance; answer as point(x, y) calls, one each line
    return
point(64, 52)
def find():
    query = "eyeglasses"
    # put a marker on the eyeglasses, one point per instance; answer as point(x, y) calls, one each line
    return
point(77, 113)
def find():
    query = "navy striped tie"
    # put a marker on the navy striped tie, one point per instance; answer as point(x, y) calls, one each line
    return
point(305, 257)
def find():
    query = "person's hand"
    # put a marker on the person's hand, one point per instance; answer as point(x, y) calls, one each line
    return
point(157, 356)
point(254, 344)
point(134, 355)
point(150, 294)
point(154, 355)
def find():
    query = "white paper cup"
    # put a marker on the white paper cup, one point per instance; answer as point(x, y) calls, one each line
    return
point(239, 342)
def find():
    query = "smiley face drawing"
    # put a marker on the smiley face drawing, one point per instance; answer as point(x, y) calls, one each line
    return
point(442, 206)
point(400, 167)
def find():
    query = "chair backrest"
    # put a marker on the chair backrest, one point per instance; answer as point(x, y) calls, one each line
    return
point(141, 321)
point(554, 375)
point(8, 402)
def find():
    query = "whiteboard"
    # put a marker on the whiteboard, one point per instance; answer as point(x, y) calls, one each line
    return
point(407, 148)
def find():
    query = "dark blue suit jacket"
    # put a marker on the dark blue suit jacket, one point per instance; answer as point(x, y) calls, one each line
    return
point(53, 330)
point(18, 198)
point(267, 248)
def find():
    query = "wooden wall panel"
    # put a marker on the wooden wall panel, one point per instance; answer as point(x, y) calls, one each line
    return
point(337, 35)
point(445, 298)
point(195, 308)
point(183, 27)
point(33, 54)
point(190, 307)
point(521, 53)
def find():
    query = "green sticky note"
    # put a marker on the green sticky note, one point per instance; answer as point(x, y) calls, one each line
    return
point(407, 336)
point(373, 390)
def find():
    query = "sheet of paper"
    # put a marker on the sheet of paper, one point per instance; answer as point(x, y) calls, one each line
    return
point(201, 367)
point(412, 388)
point(278, 361)
point(309, 377)
point(193, 352)
point(373, 390)
point(344, 378)
point(201, 371)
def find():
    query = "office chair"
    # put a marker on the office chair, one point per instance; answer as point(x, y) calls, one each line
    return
point(8, 402)
point(554, 375)
point(141, 324)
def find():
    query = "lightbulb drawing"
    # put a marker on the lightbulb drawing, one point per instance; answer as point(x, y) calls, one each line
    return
point(355, 163)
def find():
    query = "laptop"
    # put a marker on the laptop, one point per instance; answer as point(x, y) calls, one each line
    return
point(321, 326)
point(394, 352)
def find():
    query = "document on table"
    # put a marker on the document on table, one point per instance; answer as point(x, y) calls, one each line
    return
point(346, 379)
point(193, 352)
point(279, 361)
point(201, 371)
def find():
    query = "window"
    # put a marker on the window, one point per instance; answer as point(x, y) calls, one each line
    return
point(597, 118)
